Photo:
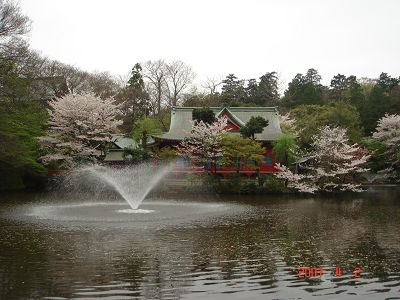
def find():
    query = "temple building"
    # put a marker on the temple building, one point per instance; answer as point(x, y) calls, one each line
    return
point(116, 153)
point(181, 125)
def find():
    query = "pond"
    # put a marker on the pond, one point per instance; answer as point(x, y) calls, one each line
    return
point(222, 247)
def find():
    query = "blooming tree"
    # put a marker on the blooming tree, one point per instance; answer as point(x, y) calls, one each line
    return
point(204, 141)
point(332, 165)
point(388, 132)
point(286, 121)
point(335, 161)
point(299, 182)
point(285, 147)
point(289, 125)
point(79, 126)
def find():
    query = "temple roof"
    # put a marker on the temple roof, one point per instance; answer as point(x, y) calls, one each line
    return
point(181, 121)
point(124, 142)
point(114, 155)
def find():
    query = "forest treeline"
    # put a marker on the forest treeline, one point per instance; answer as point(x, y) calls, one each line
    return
point(28, 81)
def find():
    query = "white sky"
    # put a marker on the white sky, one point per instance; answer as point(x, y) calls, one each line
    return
point(218, 37)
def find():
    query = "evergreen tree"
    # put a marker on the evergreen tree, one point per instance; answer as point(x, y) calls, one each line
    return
point(252, 92)
point(304, 89)
point(133, 99)
point(267, 92)
point(253, 126)
point(384, 98)
point(386, 82)
point(233, 91)
point(136, 79)
point(204, 114)
point(346, 89)
point(338, 88)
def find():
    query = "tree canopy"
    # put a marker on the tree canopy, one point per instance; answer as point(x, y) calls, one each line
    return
point(21, 124)
point(311, 117)
point(236, 150)
point(304, 89)
point(134, 100)
point(253, 126)
point(144, 128)
point(333, 164)
point(388, 133)
point(204, 142)
point(384, 98)
point(285, 149)
point(204, 114)
point(80, 126)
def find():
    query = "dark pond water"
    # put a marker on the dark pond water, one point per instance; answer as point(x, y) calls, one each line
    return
point(55, 247)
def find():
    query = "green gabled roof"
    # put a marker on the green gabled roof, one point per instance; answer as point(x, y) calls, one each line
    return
point(121, 142)
point(181, 121)
point(114, 155)
point(235, 119)
point(124, 142)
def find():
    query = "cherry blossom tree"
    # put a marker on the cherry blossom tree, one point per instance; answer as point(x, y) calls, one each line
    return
point(388, 133)
point(288, 125)
point(80, 126)
point(204, 141)
point(286, 121)
point(299, 182)
point(333, 164)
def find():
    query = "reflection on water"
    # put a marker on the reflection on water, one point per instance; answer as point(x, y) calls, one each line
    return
point(251, 249)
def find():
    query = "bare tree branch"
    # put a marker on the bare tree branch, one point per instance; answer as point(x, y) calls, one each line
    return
point(12, 22)
point(154, 72)
point(178, 77)
point(211, 84)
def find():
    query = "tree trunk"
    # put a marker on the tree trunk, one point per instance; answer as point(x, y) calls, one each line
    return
point(144, 140)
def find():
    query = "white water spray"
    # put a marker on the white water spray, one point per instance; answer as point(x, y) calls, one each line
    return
point(133, 183)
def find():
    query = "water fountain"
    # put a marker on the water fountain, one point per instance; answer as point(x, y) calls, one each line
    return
point(133, 183)
point(92, 195)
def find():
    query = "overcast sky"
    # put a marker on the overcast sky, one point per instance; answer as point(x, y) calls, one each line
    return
point(218, 37)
